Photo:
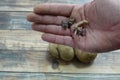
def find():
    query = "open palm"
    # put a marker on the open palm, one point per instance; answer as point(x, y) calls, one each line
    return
point(102, 32)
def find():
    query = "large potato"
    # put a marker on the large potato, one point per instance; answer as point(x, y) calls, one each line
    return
point(53, 50)
point(66, 52)
point(85, 57)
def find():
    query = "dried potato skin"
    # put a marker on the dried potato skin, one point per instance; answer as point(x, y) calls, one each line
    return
point(53, 50)
point(85, 57)
point(66, 52)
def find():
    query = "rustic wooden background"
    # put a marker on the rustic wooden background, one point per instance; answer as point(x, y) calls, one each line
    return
point(24, 56)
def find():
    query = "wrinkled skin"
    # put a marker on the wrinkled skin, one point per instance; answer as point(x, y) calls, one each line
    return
point(103, 31)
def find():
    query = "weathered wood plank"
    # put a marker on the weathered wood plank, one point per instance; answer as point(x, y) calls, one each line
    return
point(21, 40)
point(25, 51)
point(21, 76)
point(14, 20)
point(25, 61)
point(27, 5)
point(43, 76)
point(82, 77)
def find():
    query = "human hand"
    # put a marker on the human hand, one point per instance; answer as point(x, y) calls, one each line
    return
point(102, 32)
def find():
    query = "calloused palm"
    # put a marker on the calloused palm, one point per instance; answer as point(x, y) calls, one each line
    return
point(103, 31)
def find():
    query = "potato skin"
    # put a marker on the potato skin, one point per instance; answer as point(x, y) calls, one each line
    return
point(66, 52)
point(85, 57)
point(53, 50)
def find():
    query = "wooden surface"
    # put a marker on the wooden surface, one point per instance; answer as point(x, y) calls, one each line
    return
point(24, 55)
point(27, 5)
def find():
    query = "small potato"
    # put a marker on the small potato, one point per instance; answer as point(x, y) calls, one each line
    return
point(66, 52)
point(85, 57)
point(53, 50)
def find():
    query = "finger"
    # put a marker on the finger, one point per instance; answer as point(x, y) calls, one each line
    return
point(53, 29)
point(43, 19)
point(54, 9)
point(64, 40)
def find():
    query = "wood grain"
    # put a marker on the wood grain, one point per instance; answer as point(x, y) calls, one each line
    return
point(27, 5)
point(45, 76)
point(14, 21)
point(21, 40)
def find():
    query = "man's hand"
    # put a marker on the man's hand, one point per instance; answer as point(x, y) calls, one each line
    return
point(102, 32)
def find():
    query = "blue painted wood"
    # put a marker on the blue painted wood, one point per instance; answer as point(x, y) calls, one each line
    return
point(46, 76)
point(14, 20)
point(27, 5)
point(22, 76)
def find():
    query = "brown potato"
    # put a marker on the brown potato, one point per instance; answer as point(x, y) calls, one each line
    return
point(53, 50)
point(85, 57)
point(66, 52)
